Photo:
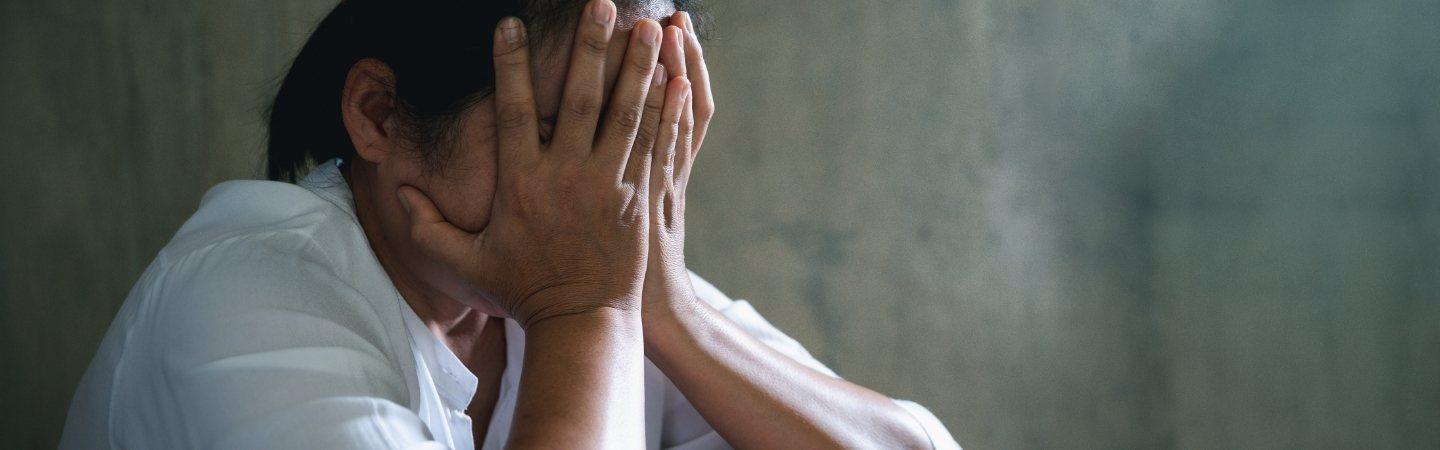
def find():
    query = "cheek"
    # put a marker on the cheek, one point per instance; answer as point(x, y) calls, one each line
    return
point(465, 189)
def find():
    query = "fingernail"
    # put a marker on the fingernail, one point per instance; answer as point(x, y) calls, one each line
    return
point(651, 35)
point(659, 77)
point(689, 26)
point(603, 12)
point(404, 202)
point(510, 29)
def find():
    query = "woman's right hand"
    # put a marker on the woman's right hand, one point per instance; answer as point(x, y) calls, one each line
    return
point(569, 222)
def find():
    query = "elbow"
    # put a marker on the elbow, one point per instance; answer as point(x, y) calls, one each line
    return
point(889, 428)
point(894, 437)
point(906, 433)
point(901, 430)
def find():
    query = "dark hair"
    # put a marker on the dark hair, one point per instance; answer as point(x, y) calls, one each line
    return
point(440, 52)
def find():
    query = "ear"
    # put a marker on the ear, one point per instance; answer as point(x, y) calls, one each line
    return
point(367, 106)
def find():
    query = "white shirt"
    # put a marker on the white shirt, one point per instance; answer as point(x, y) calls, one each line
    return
point(267, 322)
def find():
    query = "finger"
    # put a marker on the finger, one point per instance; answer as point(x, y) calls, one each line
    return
point(662, 170)
point(515, 120)
point(627, 101)
point(584, 94)
point(685, 147)
point(645, 138)
point(698, 74)
point(429, 230)
point(672, 51)
point(672, 54)
point(615, 60)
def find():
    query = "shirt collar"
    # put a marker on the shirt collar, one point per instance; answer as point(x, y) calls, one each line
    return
point(327, 182)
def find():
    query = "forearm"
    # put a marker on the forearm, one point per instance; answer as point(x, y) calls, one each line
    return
point(583, 383)
point(756, 397)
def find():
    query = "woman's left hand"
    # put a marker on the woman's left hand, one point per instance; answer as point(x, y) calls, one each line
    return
point(667, 281)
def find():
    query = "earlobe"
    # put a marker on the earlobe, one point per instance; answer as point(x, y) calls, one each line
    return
point(367, 107)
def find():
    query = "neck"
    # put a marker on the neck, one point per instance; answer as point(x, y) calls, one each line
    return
point(447, 317)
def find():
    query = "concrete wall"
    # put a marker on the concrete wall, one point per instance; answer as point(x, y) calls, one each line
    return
point(1074, 224)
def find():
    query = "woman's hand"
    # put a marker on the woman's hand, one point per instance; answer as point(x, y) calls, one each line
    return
point(667, 287)
point(568, 229)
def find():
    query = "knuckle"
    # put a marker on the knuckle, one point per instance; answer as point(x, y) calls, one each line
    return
point(641, 66)
point(585, 106)
point(704, 111)
point(512, 52)
point(634, 211)
point(512, 62)
point(645, 137)
point(614, 198)
point(654, 107)
point(624, 192)
point(676, 117)
point(512, 115)
point(594, 45)
point(628, 118)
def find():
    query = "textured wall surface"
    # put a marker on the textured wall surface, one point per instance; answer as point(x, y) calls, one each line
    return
point(1059, 224)
point(117, 116)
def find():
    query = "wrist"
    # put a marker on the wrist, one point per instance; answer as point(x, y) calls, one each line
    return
point(583, 378)
point(668, 319)
point(582, 304)
point(613, 311)
point(602, 324)
point(667, 295)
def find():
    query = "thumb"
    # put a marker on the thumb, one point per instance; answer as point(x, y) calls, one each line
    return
point(436, 237)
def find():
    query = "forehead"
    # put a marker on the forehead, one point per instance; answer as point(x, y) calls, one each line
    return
point(550, 64)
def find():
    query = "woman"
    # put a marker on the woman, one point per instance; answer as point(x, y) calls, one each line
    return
point(482, 257)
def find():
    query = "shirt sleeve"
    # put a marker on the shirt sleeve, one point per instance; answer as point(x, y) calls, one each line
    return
point(685, 429)
point(268, 348)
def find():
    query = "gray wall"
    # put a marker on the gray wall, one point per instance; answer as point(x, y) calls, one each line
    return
point(1094, 224)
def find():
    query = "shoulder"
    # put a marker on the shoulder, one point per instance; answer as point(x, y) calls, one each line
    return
point(266, 315)
point(237, 209)
point(258, 245)
point(261, 267)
